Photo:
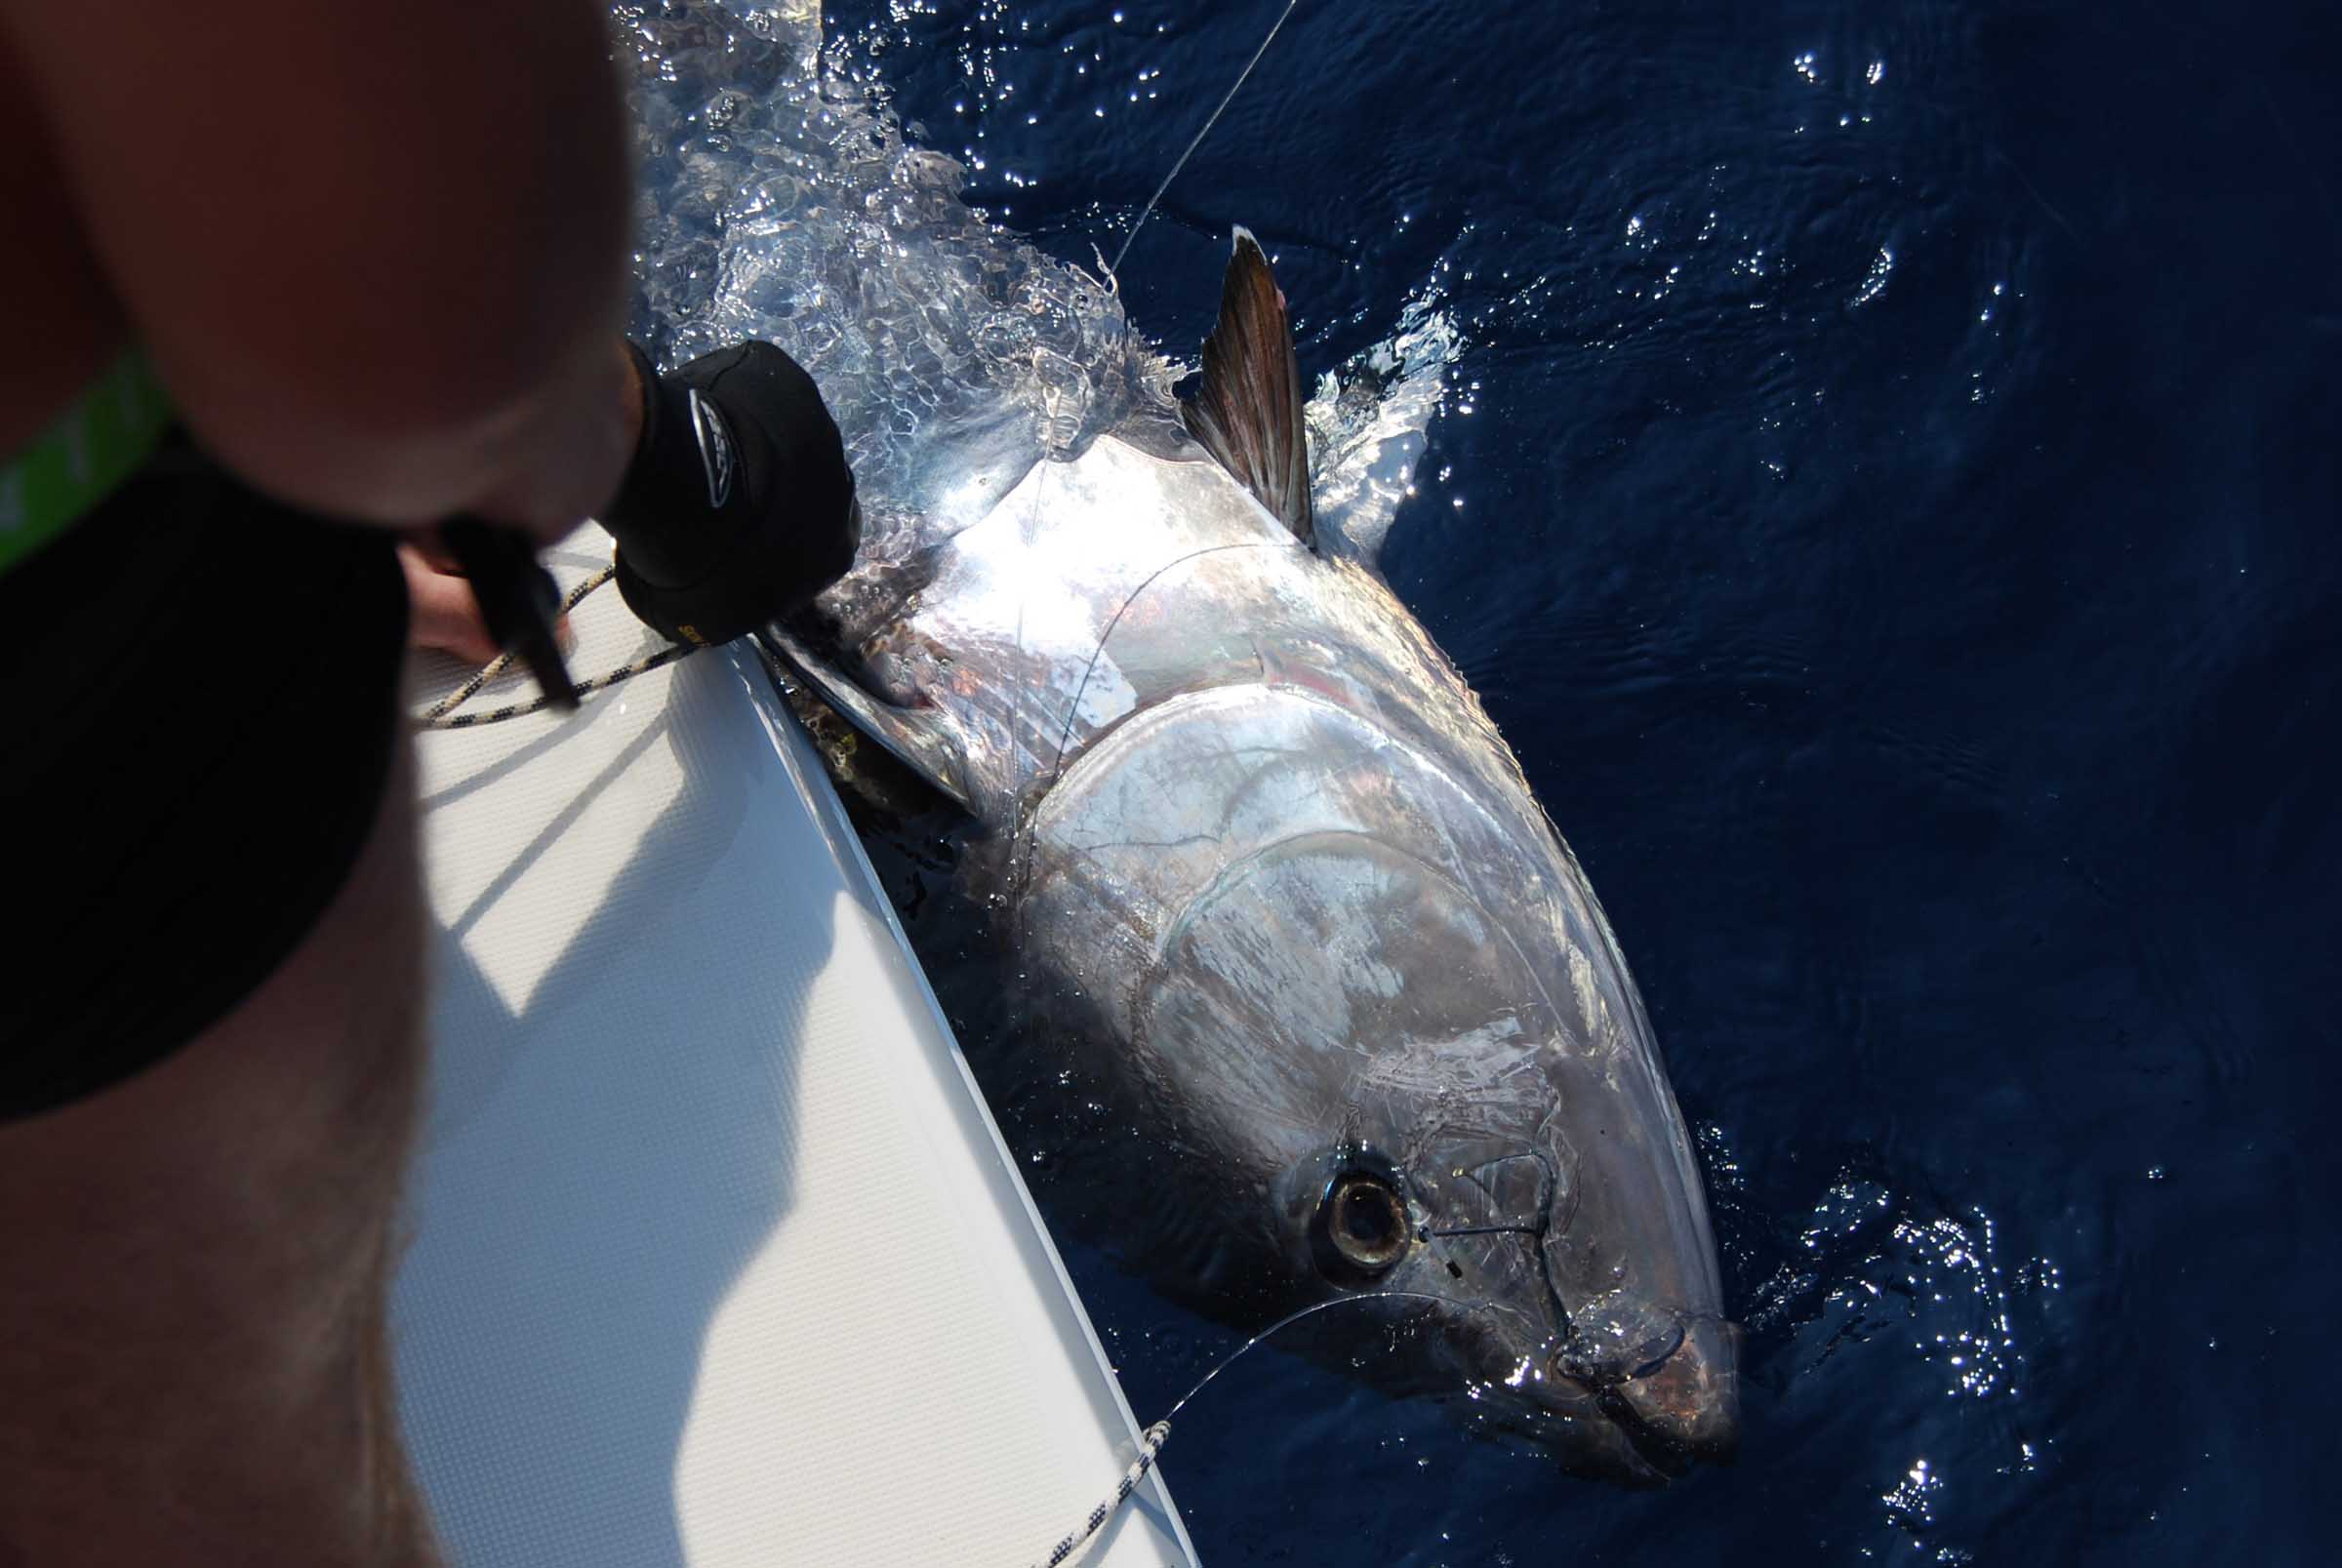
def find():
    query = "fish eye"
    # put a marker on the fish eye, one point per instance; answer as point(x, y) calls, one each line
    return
point(1363, 1221)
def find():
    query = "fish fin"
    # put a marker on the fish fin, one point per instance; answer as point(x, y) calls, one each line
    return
point(1249, 414)
point(915, 737)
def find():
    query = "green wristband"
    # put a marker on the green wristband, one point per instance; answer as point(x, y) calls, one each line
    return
point(87, 451)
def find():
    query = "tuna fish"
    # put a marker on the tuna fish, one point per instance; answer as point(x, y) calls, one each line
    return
point(1270, 877)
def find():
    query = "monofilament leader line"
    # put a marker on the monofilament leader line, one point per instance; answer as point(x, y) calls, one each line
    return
point(1116, 265)
point(1152, 1440)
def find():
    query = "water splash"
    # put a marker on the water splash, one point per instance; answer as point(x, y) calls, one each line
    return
point(1868, 1263)
point(1870, 1270)
point(781, 199)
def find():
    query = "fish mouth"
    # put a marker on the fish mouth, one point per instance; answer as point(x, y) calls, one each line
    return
point(1680, 1410)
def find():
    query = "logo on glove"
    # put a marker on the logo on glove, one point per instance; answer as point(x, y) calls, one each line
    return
point(715, 449)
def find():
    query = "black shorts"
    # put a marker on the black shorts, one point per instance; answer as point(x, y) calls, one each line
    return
point(202, 692)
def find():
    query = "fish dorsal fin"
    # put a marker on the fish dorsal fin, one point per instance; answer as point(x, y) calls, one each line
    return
point(1248, 415)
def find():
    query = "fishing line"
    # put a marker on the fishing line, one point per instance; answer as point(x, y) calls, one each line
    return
point(1028, 532)
point(1116, 265)
point(1151, 1441)
point(1484, 1304)
point(1114, 283)
point(1488, 1230)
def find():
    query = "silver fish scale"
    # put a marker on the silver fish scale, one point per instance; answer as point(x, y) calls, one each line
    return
point(1259, 845)
point(1143, 671)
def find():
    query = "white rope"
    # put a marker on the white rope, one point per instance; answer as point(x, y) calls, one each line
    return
point(1150, 1443)
point(442, 715)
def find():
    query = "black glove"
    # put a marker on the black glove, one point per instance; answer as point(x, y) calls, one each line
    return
point(739, 506)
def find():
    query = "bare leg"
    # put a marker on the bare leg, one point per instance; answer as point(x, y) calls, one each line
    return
point(194, 1366)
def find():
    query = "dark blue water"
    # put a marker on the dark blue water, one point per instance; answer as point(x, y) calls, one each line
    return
point(1895, 523)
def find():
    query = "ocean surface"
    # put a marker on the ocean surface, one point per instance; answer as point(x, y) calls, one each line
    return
point(1888, 497)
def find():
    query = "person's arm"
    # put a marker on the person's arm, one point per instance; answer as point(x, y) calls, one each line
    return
point(377, 254)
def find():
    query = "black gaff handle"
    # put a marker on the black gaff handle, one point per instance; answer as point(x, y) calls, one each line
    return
point(517, 597)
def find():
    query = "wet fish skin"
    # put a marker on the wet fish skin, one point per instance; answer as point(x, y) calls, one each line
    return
point(1275, 880)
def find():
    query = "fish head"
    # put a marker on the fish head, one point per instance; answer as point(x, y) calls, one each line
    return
point(1580, 1304)
point(1474, 1128)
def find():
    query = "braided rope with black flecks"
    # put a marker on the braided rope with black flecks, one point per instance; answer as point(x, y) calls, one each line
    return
point(442, 715)
point(1150, 1443)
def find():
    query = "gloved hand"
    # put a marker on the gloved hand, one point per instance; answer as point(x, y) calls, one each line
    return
point(738, 505)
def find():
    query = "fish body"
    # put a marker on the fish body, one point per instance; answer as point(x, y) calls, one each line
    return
point(1268, 873)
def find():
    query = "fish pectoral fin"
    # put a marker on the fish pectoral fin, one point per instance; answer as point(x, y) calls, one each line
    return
point(915, 737)
point(1249, 414)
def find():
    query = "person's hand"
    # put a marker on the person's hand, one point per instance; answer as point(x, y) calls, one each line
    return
point(441, 612)
point(443, 615)
point(738, 506)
